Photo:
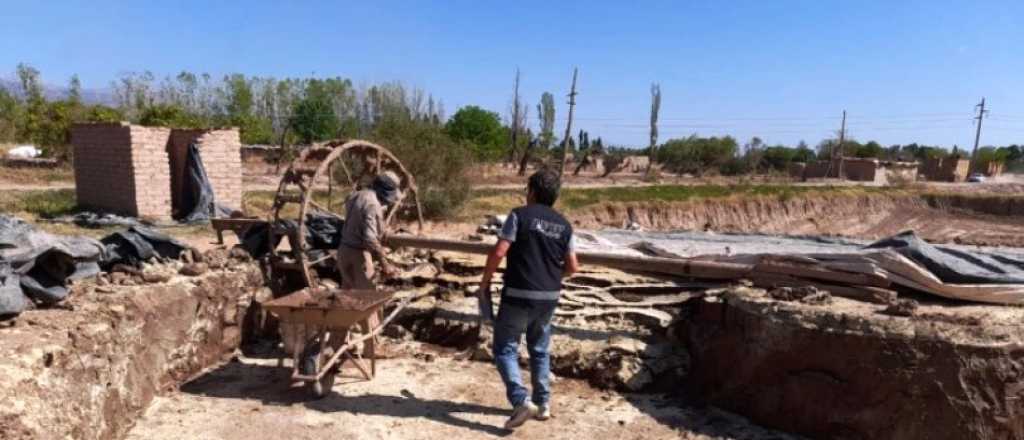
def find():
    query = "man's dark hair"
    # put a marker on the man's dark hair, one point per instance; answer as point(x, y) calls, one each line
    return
point(544, 185)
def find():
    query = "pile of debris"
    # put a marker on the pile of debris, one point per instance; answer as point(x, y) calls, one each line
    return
point(874, 273)
point(878, 271)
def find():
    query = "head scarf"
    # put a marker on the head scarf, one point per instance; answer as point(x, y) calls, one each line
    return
point(386, 185)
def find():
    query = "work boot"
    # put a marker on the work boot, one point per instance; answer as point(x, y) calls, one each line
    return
point(543, 412)
point(521, 414)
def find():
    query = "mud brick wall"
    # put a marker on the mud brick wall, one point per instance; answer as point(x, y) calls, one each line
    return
point(89, 373)
point(896, 172)
point(122, 168)
point(221, 151)
point(860, 170)
point(819, 169)
point(946, 169)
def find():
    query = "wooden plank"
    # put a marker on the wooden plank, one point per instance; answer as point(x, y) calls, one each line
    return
point(668, 266)
point(820, 273)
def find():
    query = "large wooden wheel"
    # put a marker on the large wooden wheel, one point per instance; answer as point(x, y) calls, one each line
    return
point(318, 181)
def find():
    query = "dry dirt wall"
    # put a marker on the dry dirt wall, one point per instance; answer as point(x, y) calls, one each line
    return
point(981, 220)
point(87, 373)
point(836, 375)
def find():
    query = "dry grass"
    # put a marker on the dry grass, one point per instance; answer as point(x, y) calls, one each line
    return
point(37, 176)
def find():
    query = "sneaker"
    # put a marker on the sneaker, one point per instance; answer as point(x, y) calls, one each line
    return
point(521, 414)
point(543, 412)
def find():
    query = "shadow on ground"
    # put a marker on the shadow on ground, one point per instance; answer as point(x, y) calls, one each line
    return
point(271, 385)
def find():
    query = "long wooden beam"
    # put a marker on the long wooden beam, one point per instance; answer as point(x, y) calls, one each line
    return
point(666, 266)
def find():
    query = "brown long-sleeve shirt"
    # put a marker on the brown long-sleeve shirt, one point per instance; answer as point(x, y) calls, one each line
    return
point(364, 223)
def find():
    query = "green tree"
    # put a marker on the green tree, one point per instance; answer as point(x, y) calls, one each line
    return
point(697, 155)
point(803, 153)
point(479, 127)
point(546, 117)
point(75, 90)
point(240, 109)
point(438, 162)
point(239, 97)
point(53, 135)
point(870, 149)
point(102, 113)
point(34, 103)
point(10, 115)
point(655, 108)
point(778, 157)
point(169, 115)
point(313, 119)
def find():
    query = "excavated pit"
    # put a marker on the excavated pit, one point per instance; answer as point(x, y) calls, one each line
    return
point(819, 366)
point(852, 370)
point(88, 369)
point(835, 368)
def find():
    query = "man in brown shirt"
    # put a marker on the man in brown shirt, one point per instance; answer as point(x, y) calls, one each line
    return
point(364, 231)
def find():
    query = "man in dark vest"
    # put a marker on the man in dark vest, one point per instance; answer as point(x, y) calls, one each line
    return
point(539, 245)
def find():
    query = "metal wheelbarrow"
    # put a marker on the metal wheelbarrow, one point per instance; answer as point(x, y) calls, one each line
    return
point(331, 324)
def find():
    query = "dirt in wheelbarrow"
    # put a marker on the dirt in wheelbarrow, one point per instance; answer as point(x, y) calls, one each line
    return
point(355, 300)
point(419, 393)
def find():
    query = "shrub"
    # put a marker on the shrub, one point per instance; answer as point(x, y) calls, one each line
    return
point(438, 163)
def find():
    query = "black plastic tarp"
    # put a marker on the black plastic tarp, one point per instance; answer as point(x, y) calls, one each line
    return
point(197, 193)
point(953, 265)
point(323, 232)
point(36, 267)
point(138, 244)
point(12, 299)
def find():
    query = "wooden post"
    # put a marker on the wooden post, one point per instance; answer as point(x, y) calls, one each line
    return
point(568, 125)
point(842, 138)
point(977, 136)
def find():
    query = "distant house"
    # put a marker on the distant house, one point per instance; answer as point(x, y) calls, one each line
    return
point(946, 169)
point(857, 169)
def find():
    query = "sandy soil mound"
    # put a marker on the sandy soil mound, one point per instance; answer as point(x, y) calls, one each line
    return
point(978, 220)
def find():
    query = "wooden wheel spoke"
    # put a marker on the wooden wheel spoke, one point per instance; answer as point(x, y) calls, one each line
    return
point(304, 173)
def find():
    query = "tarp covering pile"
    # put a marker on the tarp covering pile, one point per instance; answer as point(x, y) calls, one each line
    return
point(88, 219)
point(900, 261)
point(323, 233)
point(36, 267)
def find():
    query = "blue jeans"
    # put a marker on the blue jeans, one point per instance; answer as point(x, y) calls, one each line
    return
point(515, 318)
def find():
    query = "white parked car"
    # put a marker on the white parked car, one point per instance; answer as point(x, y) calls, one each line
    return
point(976, 178)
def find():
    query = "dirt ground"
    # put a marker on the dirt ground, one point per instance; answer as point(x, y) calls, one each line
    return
point(422, 393)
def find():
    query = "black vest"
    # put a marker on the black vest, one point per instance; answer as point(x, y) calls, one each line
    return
point(537, 257)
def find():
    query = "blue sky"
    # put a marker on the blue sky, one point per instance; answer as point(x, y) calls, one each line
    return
point(906, 71)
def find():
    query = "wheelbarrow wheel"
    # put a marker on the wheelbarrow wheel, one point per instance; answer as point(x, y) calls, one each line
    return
point(321, 388)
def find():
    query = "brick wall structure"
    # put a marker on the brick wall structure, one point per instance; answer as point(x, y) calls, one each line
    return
point(122, 168)
point(139, 171)
point(946, 169)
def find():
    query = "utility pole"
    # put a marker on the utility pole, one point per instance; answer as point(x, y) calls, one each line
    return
point(568, 125)
point(842, 138)
point(977, 134)
point(515, 120)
